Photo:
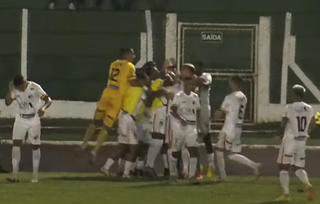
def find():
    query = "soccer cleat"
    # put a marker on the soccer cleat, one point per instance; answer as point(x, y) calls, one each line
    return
point(126, 176)
point(12, 180)
point(257, 171)
point(34, 179)
point(104, 171)
point(310, 193)
point(284, 198)
point(150, 172)
point(198, 175)
point(210, 173)
point(93, 160)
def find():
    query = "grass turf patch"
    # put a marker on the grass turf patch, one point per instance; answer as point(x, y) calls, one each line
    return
point(68, 188)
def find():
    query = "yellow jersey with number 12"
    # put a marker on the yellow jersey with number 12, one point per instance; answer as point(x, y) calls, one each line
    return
point(120, 72)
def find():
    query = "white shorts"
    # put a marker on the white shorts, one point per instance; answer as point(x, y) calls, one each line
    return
point(32, 126)
point(292, 152)
point(127, 130)
point(158, 120)
point(143, 131)
point(183, 136)
point(230, 142)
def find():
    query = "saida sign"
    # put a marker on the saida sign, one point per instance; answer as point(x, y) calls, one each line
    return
point(211, 37)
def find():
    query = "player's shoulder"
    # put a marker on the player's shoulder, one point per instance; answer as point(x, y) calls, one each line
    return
point(33, 85)
point(194, 94)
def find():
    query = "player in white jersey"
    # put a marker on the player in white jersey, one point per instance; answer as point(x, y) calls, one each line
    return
point(233, 107)
point(32, 103)
point(297, 122)
point(185, 111)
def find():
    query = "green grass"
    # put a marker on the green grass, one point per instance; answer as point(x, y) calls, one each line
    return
point(67, 188)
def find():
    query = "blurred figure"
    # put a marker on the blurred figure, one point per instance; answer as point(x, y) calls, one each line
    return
point(73, 4)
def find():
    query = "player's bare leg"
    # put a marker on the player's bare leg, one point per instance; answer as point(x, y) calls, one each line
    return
point(164, 152)
point(142, 152)
point(303, 177)
point(122, 150)
point(131, 157)
point(210, 155)
point(16, 155)
point(194, 153)
point(102, 136)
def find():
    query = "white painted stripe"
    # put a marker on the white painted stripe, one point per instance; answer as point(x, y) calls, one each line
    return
point(24, 43)
point(143, 50)
point(171, 36)
point(116, 143)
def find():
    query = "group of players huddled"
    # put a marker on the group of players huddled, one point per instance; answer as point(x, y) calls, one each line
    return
point(164, 113)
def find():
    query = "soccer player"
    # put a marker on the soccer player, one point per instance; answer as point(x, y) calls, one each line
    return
point(121, 75)
point(229, 139)
point(186, 112)
point(30, 97)
point(127, 128)
point(204, 85)
point(297, 122)
point(158, 102)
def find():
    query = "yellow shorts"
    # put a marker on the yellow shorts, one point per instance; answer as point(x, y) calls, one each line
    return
point(108, 107)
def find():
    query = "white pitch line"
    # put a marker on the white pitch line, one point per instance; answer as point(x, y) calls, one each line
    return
point(116, 143)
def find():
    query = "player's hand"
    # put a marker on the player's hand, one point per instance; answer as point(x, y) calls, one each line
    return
point(41, 112)
point(183, 122)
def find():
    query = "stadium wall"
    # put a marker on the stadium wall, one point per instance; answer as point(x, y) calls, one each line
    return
point(69, 52)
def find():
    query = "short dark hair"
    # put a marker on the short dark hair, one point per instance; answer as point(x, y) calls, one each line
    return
point(124, 51)
point(190, 67)
point(237, 80)
point(199, 64)
point(148, 66)
point(298, 90)
point(18, 80)
point(140, 74)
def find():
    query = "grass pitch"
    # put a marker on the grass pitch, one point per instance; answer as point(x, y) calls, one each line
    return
point(68, 188)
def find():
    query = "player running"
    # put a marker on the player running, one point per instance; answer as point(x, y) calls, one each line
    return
point(30, 97)
point(127, 128)
point(185, 110)
point(297, 122)
point(121, 75)
point(229, 139)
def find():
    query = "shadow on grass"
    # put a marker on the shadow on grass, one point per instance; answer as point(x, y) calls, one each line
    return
point(271, 202)
point(103, 179)
point(182, 183)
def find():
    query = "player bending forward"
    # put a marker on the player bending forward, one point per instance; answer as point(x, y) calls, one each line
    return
point(185, 110)
point(127, 128)
point(29, 97)
point(229, 139)
point(298, 121)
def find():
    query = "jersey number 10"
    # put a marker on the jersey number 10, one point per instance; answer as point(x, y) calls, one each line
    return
point(302, 123)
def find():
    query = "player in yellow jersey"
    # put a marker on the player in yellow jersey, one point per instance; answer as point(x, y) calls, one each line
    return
point(133, 102)
point(121, 75)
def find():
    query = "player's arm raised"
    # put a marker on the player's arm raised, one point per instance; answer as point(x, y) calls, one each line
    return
point(10, 97)
point(198, 112)
point(205, 80)
point(174, 111)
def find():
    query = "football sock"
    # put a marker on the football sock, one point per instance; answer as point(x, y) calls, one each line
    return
point(179, 165)
point(284, 181)
point(140, 164)
point(36, 155)
point(192, 166)
point(102, 136)
point(108, 164)
point(303, 177)
point(221, 164)
point(15, 160)
point(172, 164)
point(127, 167)
point(242, 160)
point(120, 165)
point(88, 135)
point(198, 169)
point(165, 161)
point(185, 160)
point(210, 159)
point(153, 151)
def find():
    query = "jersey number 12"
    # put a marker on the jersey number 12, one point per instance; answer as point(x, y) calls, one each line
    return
point(302, 123)
point(114, 73)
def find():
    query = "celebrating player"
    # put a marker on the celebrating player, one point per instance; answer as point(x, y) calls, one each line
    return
point(121, 74)
point(29, 97)
point(233, 107)
point(127, 128)
point(297, 122)
point(185, 110)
